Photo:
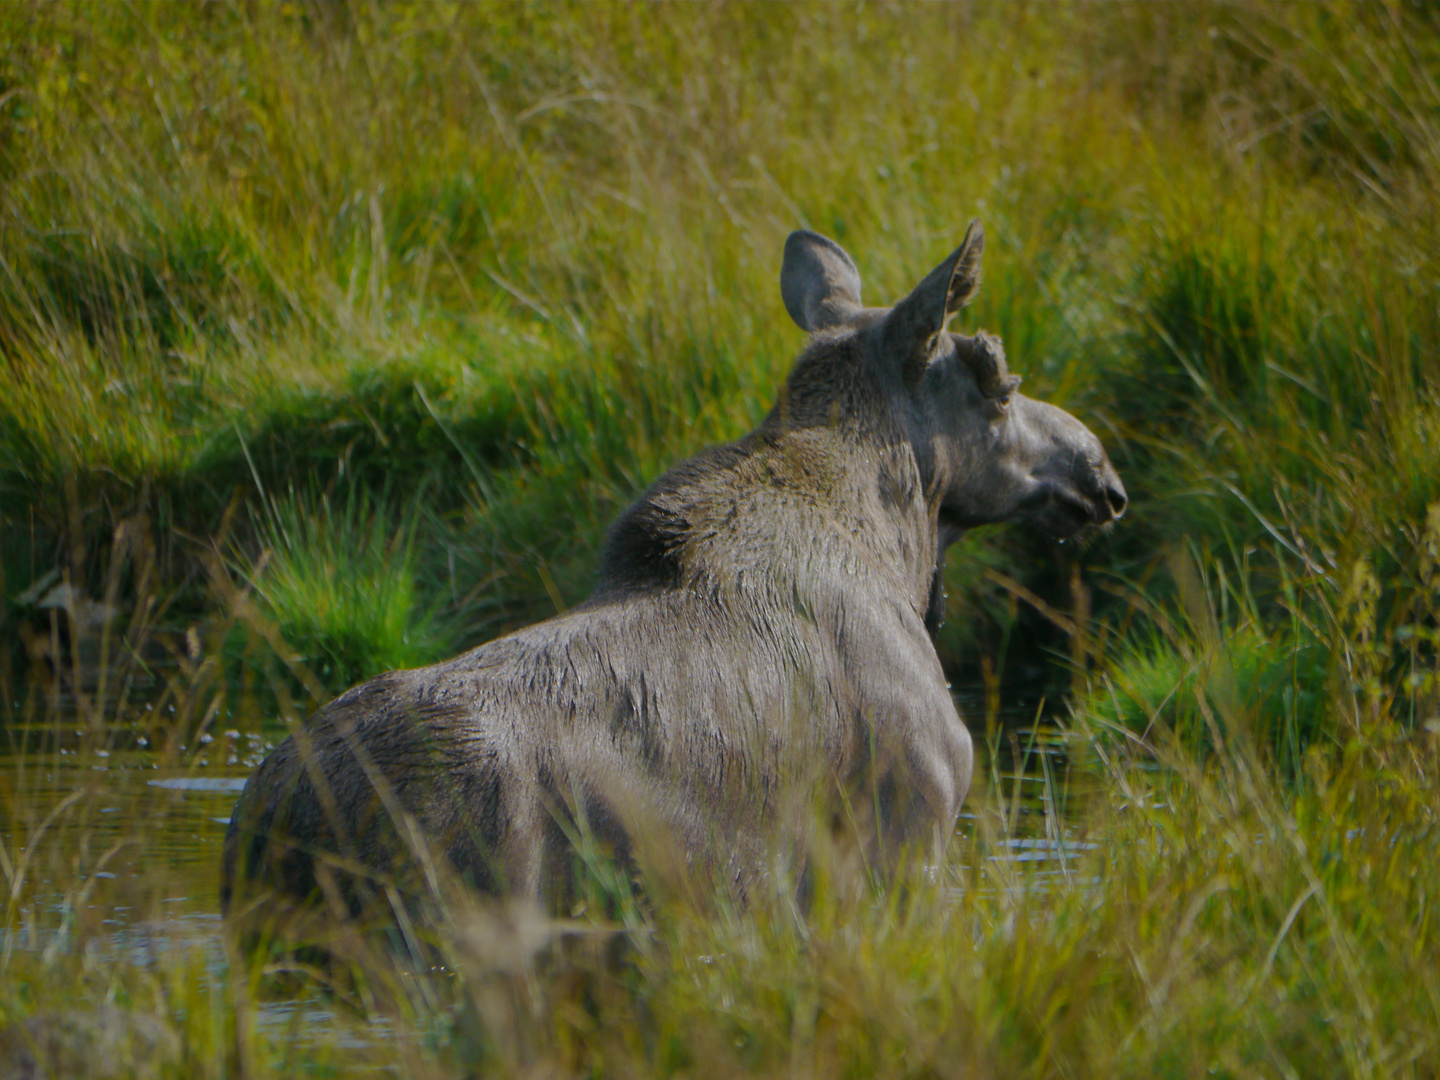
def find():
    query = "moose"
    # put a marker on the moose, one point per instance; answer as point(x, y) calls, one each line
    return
point(761, 631)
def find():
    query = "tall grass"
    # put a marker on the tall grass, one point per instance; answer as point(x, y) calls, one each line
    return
point(334, 335)
point(560, 228)
point(339, 584)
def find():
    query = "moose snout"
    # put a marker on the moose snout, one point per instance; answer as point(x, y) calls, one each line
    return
point(1096, 478)
point(1114, 493)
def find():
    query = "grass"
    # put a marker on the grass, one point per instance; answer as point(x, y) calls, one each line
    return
point(340, 588)
point(334, 336)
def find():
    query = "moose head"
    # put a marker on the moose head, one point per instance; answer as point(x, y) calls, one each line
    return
point(987, 453)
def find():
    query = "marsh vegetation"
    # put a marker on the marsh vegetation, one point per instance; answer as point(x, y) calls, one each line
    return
point(333, 337)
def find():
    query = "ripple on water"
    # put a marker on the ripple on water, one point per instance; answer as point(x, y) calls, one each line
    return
point(200, 783)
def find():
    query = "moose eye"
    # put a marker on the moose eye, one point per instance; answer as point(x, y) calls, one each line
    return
point(1001, 403)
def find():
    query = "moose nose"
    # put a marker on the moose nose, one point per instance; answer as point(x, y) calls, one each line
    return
point(1096, 477)
point(1115, 496)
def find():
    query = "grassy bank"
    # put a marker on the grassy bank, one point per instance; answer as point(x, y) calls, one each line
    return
point(334, 336)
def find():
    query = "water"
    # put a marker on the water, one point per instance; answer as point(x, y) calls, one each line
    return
point(124, 862)
point(117, 851)
point(124, 845)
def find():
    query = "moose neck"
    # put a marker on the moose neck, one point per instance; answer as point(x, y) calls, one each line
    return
point(884, 494)
point(830, 488)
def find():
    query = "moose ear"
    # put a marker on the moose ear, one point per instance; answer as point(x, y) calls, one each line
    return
point(818, 282)
point(912, 324)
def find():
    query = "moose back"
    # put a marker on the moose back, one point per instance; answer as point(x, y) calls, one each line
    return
point(757, 639)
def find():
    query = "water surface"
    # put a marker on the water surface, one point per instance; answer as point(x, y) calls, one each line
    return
point(120, 841)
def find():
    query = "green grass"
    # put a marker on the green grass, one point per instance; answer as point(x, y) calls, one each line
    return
point(338, 583)
point(332, 337)
point(1277, 689)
